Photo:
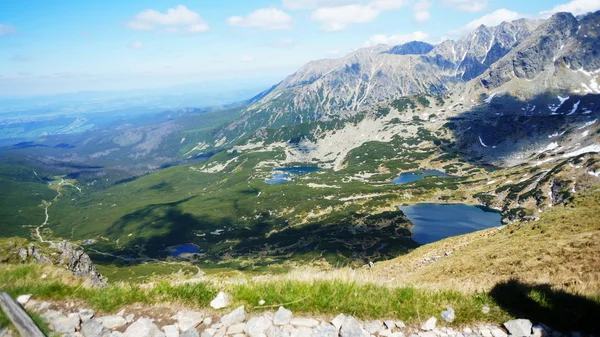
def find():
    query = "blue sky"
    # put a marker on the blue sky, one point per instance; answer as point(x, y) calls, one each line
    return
point(67, 46)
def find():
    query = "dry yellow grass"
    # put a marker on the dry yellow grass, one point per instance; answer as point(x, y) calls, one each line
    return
point(562, 250)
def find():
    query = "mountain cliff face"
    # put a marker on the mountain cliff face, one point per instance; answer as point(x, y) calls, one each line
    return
point(369, 76)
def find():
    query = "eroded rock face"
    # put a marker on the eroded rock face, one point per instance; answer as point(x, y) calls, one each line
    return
point(78, 262)
point(60, 253)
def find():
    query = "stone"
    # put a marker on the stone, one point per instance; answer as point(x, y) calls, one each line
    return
point(338, 321)
point(257, 326)
point(428, 334)
point(115, 334)
point(217, 326)
point(236, 328)
point(171, 331)
point(400, 324)
point(373, 326)
point(261, 302)
point(207, 321)
point(129, 318)
point(397, 334)
point(351, 328)
point(208, 332)
point(143, 327)
point(307, 322)
point(43, 306)
point(66, 324)
point(86, 314)
point(302, 331)
point(93, 328)
point(112, 322)
point(448, 315)
point(221, 301)
point(269, 315)
point(539, 331)
point(274, 331)
point(485, 332)
point(519, 327)
point(234, 317)
point(325, 330)
point(385, 332)
point(191, 332)
point(485, 309)
point(221, 332)
point(429, 324)
point(389, 324)
point(23, 299)
point(187, 319)
point(497, 332)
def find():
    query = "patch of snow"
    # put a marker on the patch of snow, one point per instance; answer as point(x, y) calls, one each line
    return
point(594, 173)
point(489, 99)
point(551, 147)
point(587, 124)
point(481, 142)
point(575, 106)
point(585, 133)
point(182, 140)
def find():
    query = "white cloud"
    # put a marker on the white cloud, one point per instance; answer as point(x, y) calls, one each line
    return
point(174, 20)
point(7, 29)
point(136, 45)
point(247, 59)
point(492, 19)
point(576, 7)
point(264, 18)
point(470, 6)
point(338, 18)
point(421, 11)
point(311, 4)
point(389, 5)
point(394, 40)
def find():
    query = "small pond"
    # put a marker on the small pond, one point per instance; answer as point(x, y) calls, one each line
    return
point(284, 174)
point(409, 177)
point(188, 248)
point(434, 222)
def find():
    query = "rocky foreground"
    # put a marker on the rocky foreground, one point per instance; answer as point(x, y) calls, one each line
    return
point(68, 319)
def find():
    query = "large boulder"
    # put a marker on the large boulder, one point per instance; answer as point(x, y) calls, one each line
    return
point(187, 319)
point(112, 322)
point(282, 316)
point(143, 327)
point(519, 327)
point(234, 317)
point(351, 328)
point(257, 326)
point(221, 301)
point(429, 324)
point(93, 328)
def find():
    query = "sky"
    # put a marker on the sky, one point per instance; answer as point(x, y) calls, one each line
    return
point(62, 46)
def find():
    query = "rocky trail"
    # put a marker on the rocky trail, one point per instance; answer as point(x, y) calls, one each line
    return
point(74, 320)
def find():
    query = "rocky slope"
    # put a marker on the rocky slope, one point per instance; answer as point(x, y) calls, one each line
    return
point(66, 319)
point(64, 254)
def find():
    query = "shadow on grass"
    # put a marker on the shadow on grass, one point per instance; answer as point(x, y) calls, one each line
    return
point(557, 309)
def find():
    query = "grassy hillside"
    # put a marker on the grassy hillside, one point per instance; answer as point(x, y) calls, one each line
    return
point(547, 270)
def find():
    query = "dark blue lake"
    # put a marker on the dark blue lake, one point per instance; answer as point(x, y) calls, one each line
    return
point(284, 174)
point(433, 222)
point(188, 248)
point(409, 177)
